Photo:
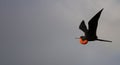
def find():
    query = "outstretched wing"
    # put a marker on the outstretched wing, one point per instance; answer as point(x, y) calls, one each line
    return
point(93, 23)
point(83, 27)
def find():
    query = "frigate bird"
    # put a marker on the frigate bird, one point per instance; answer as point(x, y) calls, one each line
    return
point(90, 33)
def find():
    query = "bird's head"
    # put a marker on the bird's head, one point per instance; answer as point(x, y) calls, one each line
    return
point(83, 40)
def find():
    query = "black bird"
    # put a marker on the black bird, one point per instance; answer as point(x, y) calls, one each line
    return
point(90, 33)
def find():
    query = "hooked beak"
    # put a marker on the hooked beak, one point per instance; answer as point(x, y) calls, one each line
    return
point(77, 38)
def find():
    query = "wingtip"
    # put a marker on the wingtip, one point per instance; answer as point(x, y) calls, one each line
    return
point(102, 9)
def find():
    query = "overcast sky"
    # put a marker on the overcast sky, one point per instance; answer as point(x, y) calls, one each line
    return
point(42, 32)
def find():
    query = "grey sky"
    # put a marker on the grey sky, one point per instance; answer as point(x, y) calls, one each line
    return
point(42, 32)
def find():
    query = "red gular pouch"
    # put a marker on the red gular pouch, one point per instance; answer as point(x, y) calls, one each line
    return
point(83, 42)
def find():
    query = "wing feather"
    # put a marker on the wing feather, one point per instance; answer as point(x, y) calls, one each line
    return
point(83, 27)
point(93, 23)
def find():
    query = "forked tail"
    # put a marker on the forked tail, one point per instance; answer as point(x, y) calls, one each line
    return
point(103, 40)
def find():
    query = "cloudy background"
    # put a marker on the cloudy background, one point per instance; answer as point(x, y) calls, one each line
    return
point(42, 32)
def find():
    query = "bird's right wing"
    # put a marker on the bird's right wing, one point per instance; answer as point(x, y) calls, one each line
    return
point(93, 23)
point(83, 27)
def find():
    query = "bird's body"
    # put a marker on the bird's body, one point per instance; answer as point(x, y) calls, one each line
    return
point(90, 33)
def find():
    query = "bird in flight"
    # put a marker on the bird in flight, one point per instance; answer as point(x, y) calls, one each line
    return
point(90, 33)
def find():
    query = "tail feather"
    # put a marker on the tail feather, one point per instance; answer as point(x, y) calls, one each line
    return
point(104, 40)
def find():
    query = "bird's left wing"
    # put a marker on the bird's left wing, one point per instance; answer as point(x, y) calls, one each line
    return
point(83, 27)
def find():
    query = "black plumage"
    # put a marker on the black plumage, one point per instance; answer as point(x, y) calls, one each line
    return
point(90, 33)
